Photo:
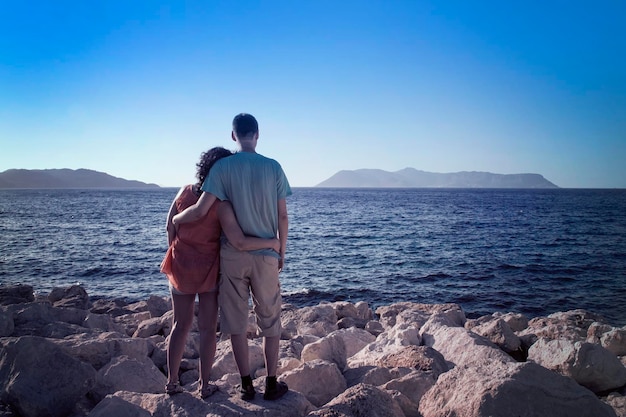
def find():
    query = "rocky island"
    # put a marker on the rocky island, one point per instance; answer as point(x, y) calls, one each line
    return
point(413, 178)
point(65, 178)
point(63, 354)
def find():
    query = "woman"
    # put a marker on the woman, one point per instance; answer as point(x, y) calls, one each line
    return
point(192, 267)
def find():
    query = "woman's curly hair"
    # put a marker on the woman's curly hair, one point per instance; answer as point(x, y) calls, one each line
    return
point(207, 160)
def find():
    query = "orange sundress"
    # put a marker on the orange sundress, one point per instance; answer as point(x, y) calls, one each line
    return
point(192, 261)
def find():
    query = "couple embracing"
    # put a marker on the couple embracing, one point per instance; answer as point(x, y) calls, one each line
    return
point(231, 225)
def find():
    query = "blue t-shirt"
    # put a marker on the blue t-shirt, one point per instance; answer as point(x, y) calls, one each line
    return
point(253, 184)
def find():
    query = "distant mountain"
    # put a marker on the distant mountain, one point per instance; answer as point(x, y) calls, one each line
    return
point(411, 177)
point(65, 178)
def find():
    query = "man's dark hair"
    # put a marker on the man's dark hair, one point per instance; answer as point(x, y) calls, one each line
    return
point(245, 124)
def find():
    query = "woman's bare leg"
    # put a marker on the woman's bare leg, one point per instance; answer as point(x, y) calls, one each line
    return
point(207, 325)
point(183, 306)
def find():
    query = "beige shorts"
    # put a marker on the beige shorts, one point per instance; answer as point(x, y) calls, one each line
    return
point(240, 274)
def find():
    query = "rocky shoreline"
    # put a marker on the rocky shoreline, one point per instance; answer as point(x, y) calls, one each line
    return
point(62, 355)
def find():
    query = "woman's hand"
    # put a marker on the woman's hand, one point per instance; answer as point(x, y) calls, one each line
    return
point(276, 245)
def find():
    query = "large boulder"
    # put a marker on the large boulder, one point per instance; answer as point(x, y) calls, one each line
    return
point(318, 380)
point(317, 320)
point(222, 403)
point(73, 296)
point(571, 325)
point(421, 358)
point(118, 407)
point(16, 294)
point(419, 313)
point(330, 348)
point(130, 322)
point(498, 389)
point(41, 319)
point(458, 345)
point(128, 374)
point(39, 378)
point(413, 385)
point(615, 341)
point(374, 375)
point(392, 340)
point(361, 400)
point(156, 306)
point(516, 321)
point(588, 364)
point(98, 350)
point(498, 331)
point(224, 362)
point(354, 339)
point(103, 323)
point(115, 307)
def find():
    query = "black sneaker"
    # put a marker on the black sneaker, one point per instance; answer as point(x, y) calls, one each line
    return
point(247, 393)
point(274, 394)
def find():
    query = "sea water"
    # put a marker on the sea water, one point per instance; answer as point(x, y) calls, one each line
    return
point(529, 251)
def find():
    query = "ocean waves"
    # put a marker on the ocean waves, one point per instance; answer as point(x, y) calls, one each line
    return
point(529, 251)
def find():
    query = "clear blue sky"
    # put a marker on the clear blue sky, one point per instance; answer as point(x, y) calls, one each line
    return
point(138, 89)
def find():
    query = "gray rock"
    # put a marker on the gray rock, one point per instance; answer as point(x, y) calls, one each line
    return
point(128, 374)
point(572, 325)
point(498, 389)
point(16, 294)
point(452, 312)
point(413, 385)
point(374, 327)
point(114, 307)
point(596, 330)
point(516, 321)
point(499, 332)
point(73, 296)
point(40, 379)
point(374, 375)
point(317, 320)
point(224, 403)
point(319, 381)
point(113, 406)
point(458, 345)
point(588, 364)
point(347, 322)
point(361, 400)
point(329, 348)
point(615, 341)
point(423, 358)
point(156, 306)
point(103, 322)
point(617, 402)
point(99, 350)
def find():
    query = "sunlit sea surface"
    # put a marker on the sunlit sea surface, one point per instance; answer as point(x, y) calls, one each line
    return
point(528, 251)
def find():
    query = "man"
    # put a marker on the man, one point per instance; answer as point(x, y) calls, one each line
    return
point(256, 186)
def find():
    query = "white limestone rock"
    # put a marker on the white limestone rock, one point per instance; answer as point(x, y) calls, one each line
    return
point(129, 374)
point(499, 389)
point(318, 380)
point(361, 400)
point(588, 364)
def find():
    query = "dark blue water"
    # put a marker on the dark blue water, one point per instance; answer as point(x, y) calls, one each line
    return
point(529, 251)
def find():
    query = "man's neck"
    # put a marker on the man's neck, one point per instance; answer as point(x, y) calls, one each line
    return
point(247, 145)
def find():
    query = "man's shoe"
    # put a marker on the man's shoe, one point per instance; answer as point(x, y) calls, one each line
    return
point(247, 393)
point(274, 394)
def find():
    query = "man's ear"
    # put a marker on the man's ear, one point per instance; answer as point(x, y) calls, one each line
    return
point(232, 135)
